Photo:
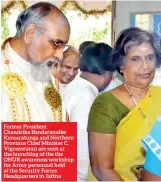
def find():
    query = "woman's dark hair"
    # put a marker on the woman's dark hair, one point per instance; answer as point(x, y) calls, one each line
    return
point(95, 59)
point(131, 37)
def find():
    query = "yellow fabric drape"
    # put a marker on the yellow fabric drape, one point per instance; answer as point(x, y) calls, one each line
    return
point(130, 131)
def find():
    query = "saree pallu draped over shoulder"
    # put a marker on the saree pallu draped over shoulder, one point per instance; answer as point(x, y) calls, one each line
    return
point(132, 128)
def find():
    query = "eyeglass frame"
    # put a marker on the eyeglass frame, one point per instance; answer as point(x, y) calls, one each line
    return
point(54, 42)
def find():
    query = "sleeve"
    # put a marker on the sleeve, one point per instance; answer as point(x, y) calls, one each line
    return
point(102, 116)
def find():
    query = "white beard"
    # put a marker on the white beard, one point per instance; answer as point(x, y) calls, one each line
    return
point(42, 71)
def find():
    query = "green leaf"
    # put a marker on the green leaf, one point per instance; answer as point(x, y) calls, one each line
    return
point(105, 31)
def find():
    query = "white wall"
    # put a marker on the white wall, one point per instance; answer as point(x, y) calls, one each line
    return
point(125, 8)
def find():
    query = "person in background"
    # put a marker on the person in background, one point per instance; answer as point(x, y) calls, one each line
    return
point(96, 74)
point(152, 145)
point(113, 83)
point(120, 118)
point(68, 68)
point(26, 65)
point(84, 45)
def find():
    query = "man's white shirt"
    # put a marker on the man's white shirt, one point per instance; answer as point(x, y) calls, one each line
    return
point(62, 88)
point(78, 98)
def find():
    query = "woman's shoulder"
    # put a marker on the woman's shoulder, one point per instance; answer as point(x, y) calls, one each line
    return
point(111, 103)
point(105, 96)
point(107, 99)
point(106, 113)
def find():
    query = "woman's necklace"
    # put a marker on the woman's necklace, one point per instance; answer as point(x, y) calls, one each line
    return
point(136, 104)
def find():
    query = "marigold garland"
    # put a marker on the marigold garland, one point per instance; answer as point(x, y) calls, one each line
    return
point(52, 97)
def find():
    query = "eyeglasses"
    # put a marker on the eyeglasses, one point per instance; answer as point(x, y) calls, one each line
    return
point(57, 44)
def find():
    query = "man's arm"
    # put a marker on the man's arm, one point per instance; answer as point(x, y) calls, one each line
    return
point(102, 150)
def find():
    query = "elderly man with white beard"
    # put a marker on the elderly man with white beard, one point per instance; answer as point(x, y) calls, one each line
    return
point(28, 93)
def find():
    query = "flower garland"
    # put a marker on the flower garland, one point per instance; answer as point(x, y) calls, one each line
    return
point(6, 8)
point(53, 98)
point(15, 87)
point(83, 10)
point(23, 5)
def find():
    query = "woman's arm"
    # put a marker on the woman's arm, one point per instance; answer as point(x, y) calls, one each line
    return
point(102, 150)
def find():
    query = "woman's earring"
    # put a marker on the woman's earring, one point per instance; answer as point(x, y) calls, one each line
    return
point(121, 70)
point(114, 76)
